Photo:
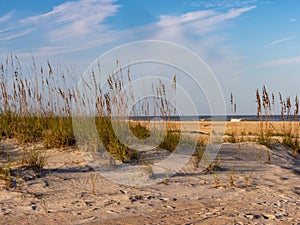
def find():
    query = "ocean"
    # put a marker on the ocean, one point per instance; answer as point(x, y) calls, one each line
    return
point(218, 118)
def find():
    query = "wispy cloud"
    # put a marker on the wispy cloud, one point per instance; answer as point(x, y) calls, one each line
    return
point(224, 3)
point(6, 17)
point(9, 28)
point(231, 14)
point(49, 50)
point(201, 31)
point(74, 19)
point(198, 22)
point(6, 30)
point(81, 25)
point(17, 34)
point(282, 62)
point(69, 27)
point(280, 41)
point(71, 24)
point(166, 20)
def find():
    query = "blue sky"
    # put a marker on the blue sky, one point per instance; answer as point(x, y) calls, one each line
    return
point(246, 43)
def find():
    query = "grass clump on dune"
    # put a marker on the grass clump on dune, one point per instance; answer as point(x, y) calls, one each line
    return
point(36, 107)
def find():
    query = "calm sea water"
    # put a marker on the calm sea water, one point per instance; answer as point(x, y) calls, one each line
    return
point(218, 118)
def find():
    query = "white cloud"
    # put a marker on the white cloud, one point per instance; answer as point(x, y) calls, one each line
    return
point(17, 34)
point(6, 17)
point(280, 41)
point(200, 32)
point(68, 27)
point(198, 22)
point(9, 28)
point(62, 49)
point(166, 20)
point(232, 13)
point(74, 20)
point(6, 29)
point(293, 20)
point(224, 3)
point(282, 62)
point(80, 25)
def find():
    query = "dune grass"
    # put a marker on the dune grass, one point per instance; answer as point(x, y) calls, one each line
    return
point(36, 107)
point(289, 115)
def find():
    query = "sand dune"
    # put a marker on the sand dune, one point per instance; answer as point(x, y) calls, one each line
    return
point(242, 189)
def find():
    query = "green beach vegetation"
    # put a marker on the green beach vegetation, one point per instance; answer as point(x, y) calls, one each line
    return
point(37, 108)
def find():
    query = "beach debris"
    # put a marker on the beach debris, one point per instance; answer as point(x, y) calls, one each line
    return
point(123, 192)
point(135, 198)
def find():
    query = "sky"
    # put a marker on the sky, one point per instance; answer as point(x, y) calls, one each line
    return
point(247, 44)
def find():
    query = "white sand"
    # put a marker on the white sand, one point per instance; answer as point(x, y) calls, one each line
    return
point(62, 193)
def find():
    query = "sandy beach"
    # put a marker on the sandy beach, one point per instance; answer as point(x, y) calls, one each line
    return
point(242, 189)
point(149, 112)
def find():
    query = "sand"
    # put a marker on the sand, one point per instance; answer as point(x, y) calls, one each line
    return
point(243, 189)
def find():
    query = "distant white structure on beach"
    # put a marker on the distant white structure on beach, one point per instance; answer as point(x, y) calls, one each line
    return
point(235, 120)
